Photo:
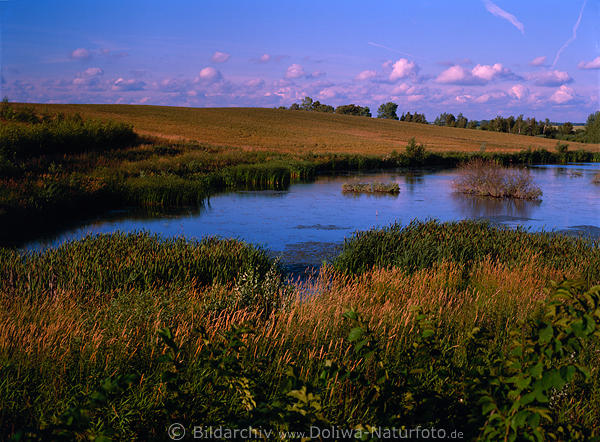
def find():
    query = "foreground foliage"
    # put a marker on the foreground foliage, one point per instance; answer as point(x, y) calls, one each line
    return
point(464, 329)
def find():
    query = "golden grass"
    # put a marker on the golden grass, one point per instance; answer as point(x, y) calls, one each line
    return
point(111, 329)
point(300, 132)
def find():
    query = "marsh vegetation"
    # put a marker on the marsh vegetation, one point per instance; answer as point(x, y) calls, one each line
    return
point(134, 331)
point(375, 187)
point(488, 178)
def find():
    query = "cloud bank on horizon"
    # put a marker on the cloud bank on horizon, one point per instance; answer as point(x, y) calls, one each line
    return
point(447, 58)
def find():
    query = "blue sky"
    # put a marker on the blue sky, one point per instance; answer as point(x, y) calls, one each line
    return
point(478, 57)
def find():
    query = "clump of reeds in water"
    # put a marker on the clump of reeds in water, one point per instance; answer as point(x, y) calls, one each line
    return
point(488, 178)
point(596, 179)
point(392, 188)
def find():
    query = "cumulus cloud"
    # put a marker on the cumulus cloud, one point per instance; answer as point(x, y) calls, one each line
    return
point(402, 69)
point(563, 95)
point(122, 84)
point(81, 54)
point(92, 72)
point(295, 71)
point(519, 91)
point(366, 75)
point(90, 78)
point(264, 58)
point(255, 83)
point(499, 12)
point(550, 78)
point(594, 64)
point(220, 57)
point(209, 75)
point(480, 74)
point(538, 61)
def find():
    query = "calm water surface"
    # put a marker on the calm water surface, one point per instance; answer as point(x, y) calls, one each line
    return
point(307, 222)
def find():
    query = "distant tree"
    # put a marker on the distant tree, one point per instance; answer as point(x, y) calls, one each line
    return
point(566, 128)
point(461, 121)
point(519, 125)
point(472, 124)
point(388, 110)
point(592, 128)
point(353, 109)
point(294, 106)
point(318, 107)
point(306, 103)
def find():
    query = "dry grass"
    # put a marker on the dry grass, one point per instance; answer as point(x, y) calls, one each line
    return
point(300, 132)
point(488, 178)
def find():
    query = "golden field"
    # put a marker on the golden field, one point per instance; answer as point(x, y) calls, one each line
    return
point(300, 131)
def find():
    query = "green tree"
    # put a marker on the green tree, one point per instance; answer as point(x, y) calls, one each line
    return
point(461, 121)
point(388, 110)
point(353, 109)
point(566, 128)
point(592, 128)
point(306, 103)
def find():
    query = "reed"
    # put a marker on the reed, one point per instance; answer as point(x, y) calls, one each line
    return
point(375, 187)
point(487, 178)
point(91, 310)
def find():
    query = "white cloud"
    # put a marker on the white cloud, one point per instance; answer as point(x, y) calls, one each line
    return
point(499, 12)
point(366, 75)
point(220, 57)
point(402, 69)
point(453, 75)
point(264, 58)
point(550, 78)
point(122, 84)
point(538, 61)
point(480, 74)
point(489, 72)
point(295, 71)
point(81, 54)
point(209, 74)
point(92, 72)
point(519, 91)
point(563, 95)
point(594, 64)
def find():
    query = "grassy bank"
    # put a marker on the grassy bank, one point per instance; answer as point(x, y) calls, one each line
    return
point(123, 335)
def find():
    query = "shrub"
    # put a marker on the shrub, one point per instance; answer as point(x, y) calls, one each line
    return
point(415, 152)
point(488, 178)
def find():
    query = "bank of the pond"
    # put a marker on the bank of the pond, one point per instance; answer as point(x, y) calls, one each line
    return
point(42, 196)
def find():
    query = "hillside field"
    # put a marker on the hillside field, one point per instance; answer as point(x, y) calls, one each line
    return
point(299, 131)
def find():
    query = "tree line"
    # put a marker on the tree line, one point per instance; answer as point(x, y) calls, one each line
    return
point(515, 125)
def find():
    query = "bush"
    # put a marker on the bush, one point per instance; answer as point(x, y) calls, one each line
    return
point(415, 152)
point(488, 178)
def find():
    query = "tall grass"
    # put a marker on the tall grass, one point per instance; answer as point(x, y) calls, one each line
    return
point(487, 178)
point(118, 261)
point(421, 244)
point(91, 310)
point(70, 135)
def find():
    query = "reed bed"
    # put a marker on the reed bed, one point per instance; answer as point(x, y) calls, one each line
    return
point(376, 187)
point(596, 179)
point(488, 178)
point(91, 309)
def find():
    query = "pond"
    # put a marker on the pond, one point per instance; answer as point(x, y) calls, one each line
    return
point(308, 222)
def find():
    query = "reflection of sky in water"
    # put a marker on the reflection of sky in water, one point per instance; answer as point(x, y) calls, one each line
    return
point(319, 212)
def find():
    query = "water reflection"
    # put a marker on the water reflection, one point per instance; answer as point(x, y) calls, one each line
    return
point(497, 209)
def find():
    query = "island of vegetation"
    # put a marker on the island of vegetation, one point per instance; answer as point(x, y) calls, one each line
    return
point(375, 187)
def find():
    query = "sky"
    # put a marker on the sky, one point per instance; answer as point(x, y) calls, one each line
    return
point(479, 57)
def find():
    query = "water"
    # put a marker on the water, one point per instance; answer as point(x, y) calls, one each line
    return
point(307, 223)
